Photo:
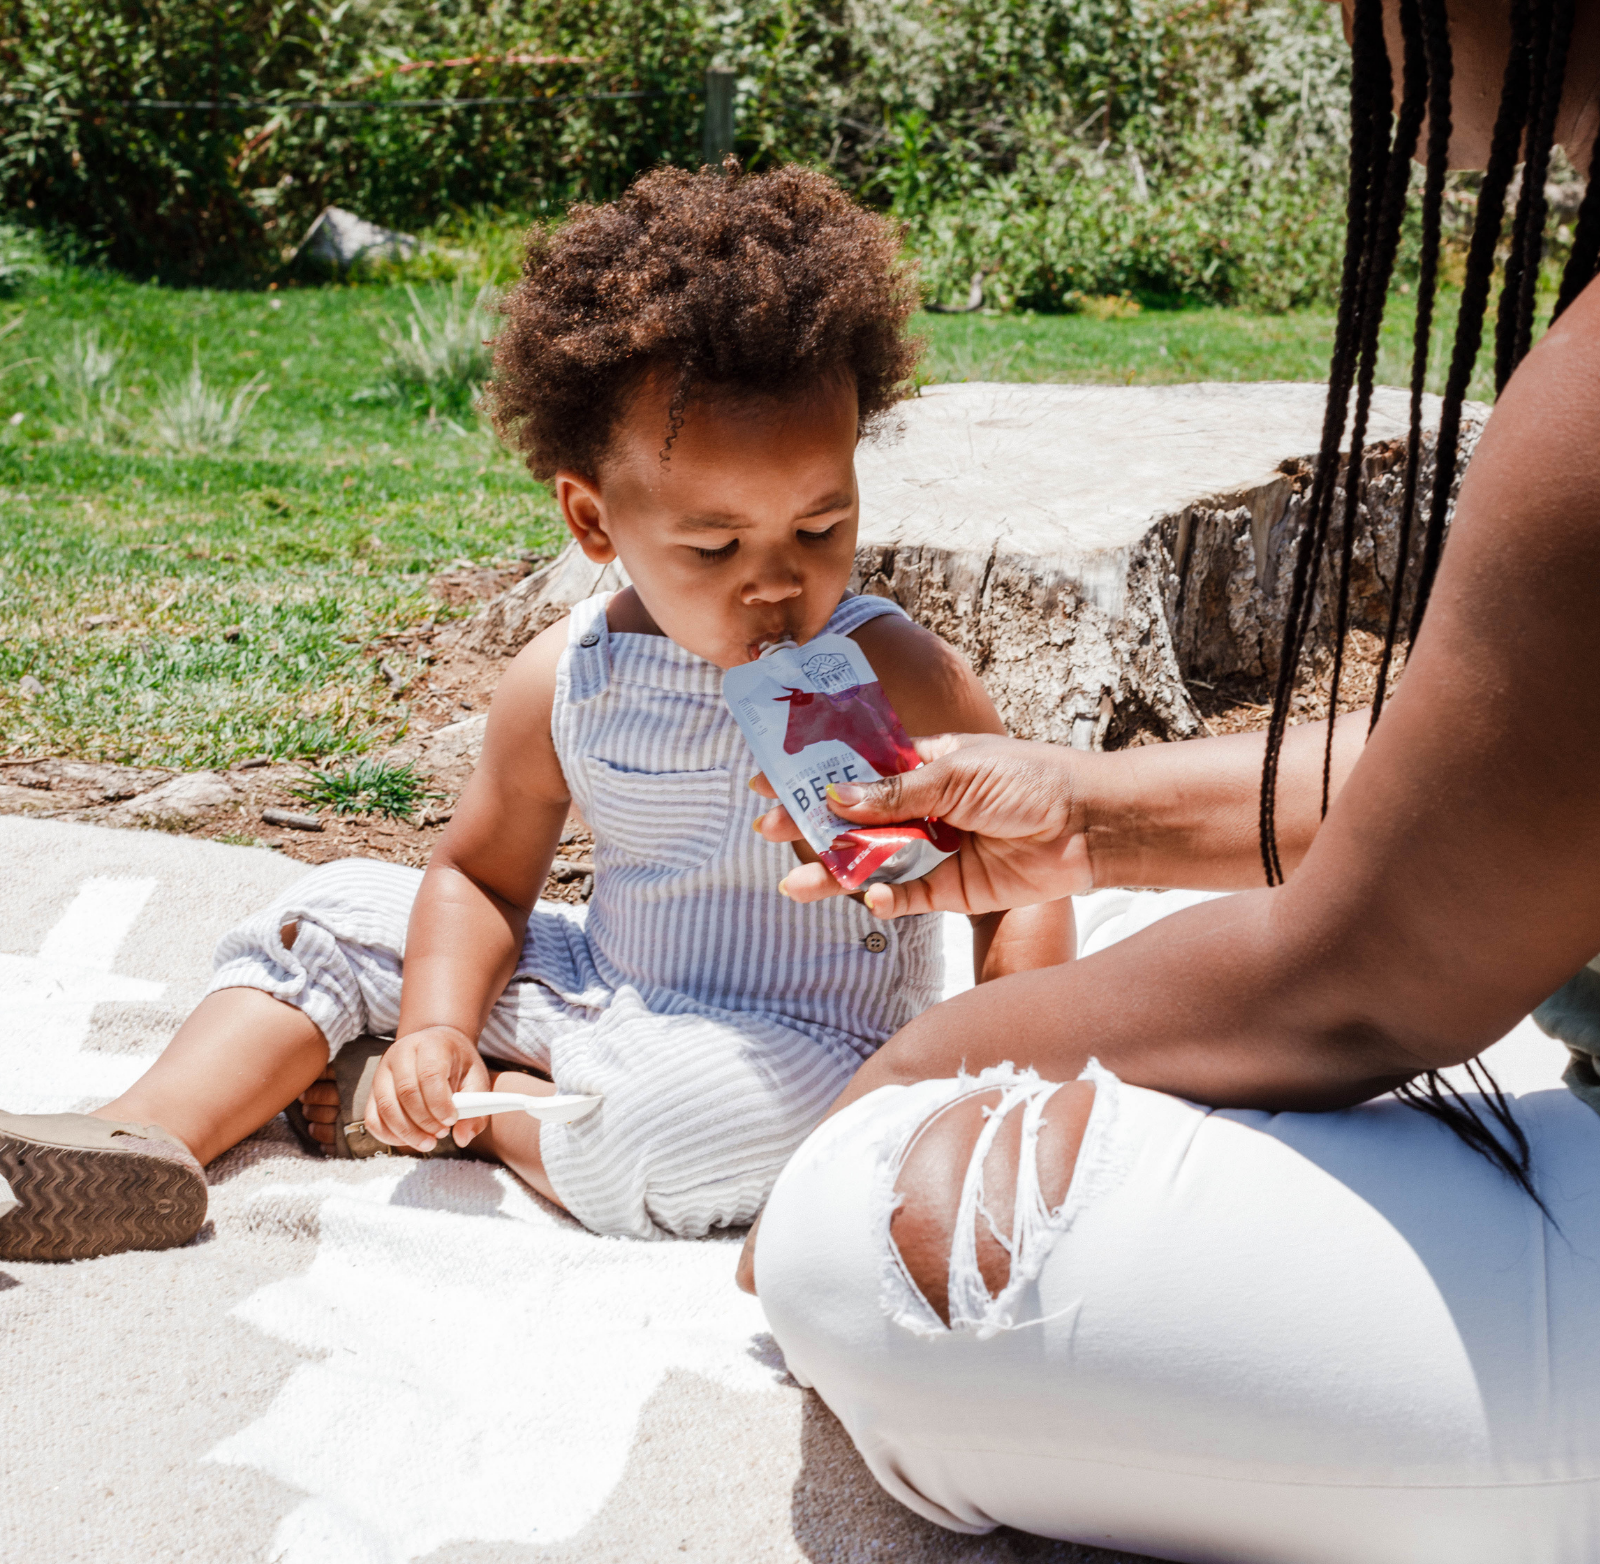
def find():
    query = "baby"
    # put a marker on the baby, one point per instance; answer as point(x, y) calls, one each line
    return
point(690, 369)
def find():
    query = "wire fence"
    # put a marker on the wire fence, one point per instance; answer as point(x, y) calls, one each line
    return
point(717, 93)
point(289, 105)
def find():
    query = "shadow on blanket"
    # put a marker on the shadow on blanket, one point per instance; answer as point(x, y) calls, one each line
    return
point(836, 1503)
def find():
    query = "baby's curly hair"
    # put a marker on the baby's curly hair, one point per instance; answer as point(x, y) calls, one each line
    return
point(731, 283)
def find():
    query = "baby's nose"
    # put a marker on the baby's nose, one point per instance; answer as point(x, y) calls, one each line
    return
point(773, 590)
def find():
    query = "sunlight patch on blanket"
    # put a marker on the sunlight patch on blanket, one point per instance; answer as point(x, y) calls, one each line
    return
point(48, 1002)
point(486, 1362)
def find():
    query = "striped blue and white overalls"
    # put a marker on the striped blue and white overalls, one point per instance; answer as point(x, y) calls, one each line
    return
point(717, 1019)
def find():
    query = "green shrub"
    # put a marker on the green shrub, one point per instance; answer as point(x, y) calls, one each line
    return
point(1079, 225)
point(194, 418)
point(21, 256)
point(1210, 167)
point(86, 372)
point(1174, 148)
point(222, 195)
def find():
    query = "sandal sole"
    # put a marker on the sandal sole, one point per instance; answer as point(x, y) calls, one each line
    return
point(74, 1203)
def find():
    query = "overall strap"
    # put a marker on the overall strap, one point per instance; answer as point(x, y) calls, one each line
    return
point(857, 609)
point(586, 663)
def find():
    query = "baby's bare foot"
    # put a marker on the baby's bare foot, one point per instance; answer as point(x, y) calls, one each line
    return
point(320, 1103)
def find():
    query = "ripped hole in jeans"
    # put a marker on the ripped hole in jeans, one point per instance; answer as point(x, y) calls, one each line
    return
point(979, 1184)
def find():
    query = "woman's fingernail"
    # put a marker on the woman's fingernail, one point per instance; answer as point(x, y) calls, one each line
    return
point(783, 888)
point(846, 793)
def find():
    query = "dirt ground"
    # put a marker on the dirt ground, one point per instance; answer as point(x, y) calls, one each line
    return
point(1245, 705)
point(455, 688)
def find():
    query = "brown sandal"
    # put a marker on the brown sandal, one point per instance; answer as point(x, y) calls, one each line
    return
point(354, 1066)
point(85, 1186)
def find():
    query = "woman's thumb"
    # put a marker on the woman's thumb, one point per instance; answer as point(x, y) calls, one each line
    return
point(912, 795)
point(874, 803)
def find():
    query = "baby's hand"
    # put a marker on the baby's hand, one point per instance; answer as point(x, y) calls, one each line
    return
point(410, 1103)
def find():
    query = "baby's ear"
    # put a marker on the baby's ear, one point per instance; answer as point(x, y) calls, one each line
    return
point(579, 499)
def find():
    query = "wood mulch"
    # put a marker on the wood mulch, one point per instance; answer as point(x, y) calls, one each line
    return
point(1245, 705)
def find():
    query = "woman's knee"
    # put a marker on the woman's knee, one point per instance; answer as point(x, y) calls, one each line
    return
point(934, 1173)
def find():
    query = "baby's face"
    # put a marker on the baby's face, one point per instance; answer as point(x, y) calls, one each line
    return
point(746, 534)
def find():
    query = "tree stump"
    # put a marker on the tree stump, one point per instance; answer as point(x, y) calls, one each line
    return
point(1089, 548)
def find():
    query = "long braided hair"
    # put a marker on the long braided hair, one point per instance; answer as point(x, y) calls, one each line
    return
point(1382, 145)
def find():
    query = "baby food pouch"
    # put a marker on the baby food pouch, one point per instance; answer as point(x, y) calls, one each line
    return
point(816, 714)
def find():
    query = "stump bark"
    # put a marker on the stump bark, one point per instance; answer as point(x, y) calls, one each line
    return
point(1089, 548)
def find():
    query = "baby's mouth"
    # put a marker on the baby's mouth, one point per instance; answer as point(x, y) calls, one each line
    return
point(774, 637)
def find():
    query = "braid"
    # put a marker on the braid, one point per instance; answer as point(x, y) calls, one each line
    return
point(1370, 94)
point(1475, 293)
point(1379, 177)
point(1436, 39)
point(1585, 257)
point(1432, 1094)
point(1381, 257)
point(1547, 60)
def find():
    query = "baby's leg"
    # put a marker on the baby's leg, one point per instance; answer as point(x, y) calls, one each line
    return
point(239, 1059)
point(699, 1112)
point(293, 985)
point(513, 1138)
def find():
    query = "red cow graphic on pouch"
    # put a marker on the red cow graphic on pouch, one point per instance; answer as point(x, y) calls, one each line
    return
point(861, 718)
point(854, 735)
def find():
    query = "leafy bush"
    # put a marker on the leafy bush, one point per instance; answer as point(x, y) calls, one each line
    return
point(1211, 168)
point(222, 194)
point(1046, 235)
point(1173, 148)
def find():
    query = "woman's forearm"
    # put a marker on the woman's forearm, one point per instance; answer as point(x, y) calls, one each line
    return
point(1216, 1004)
point(1188, 815)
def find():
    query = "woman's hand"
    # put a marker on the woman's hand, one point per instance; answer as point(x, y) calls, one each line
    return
point(410, 1103)
point(1027, 834)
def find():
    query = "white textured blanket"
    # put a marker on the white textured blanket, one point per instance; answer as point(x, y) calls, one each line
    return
point(369, 1362)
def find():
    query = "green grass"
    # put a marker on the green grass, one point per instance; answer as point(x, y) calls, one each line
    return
point(241, 595)
point(1161, 347)
point(245, 590)
point(368, 787)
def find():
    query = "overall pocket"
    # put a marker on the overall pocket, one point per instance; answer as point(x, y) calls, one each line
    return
point(662, 819)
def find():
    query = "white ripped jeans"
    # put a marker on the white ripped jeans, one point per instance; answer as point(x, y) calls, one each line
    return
point(1243, 1338)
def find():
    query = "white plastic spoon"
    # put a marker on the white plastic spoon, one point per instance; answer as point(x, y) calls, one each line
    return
point(562, 1108)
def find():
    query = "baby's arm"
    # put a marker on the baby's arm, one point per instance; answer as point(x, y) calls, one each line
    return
point(933, 690)
point(471, 912)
